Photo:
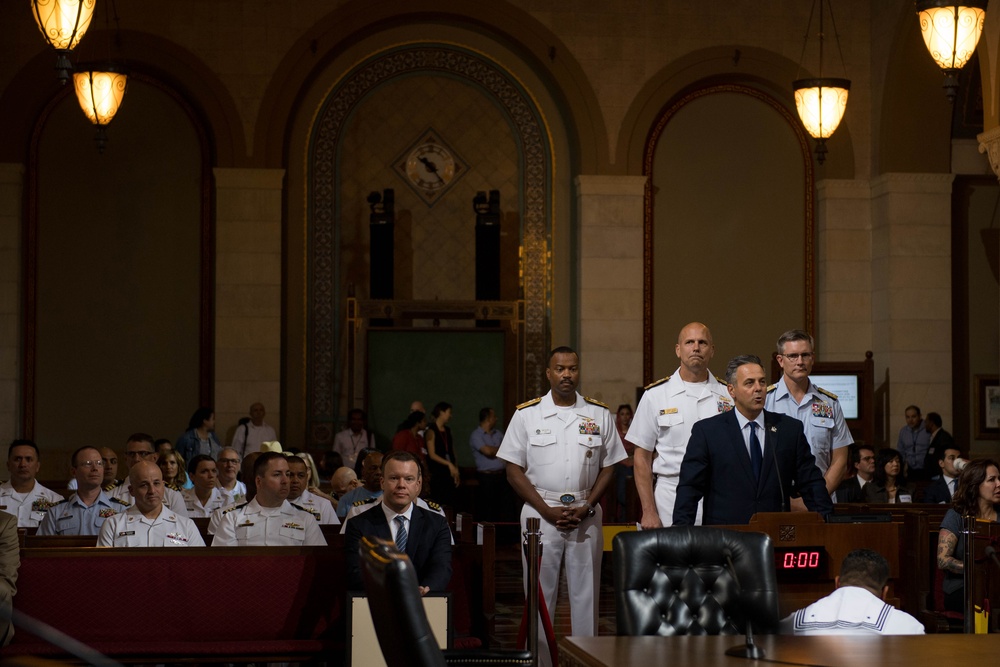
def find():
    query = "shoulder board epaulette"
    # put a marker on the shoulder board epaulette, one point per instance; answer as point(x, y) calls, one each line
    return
point(433, 505)
point(126, 503)
point(173, 487)
point(657, 383)
point(60, 502)
point(529, 403)
point(594, 401)
point(367, 501)
point(298, 507)
point(772, 388)
point(827, 393)
point(721, 380)
point(234, 507)
point(112, 485)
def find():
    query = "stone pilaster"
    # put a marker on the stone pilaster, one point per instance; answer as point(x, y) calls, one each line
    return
point(11, 223)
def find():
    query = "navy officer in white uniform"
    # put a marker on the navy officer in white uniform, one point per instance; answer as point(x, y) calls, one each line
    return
point(268, 519)
point(560, 451)
point(663, 420)
point(148, 523)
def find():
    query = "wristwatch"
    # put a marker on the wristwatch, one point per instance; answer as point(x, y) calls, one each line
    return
point(591, 511)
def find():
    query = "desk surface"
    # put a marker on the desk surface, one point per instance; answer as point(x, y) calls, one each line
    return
point(827, 651)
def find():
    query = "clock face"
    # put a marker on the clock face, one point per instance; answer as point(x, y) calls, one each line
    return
point(430, 167)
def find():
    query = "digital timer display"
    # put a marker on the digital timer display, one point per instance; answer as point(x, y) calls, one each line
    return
point(800, 560)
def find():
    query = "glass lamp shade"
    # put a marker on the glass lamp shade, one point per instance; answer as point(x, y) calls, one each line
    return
point(821, 104)
point(63, 22)
point(100, 93)
point(951, 30)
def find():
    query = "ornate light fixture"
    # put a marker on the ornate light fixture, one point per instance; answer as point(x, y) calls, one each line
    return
point(63, 24)
point(951, 31)
point(100, 92)
point(821, 101)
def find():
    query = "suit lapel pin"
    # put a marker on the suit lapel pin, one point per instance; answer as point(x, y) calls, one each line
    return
point(774, 429)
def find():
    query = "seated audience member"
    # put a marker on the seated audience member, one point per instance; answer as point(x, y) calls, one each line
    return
point(84, 512)
point(371, 484)
point(419, 533)
point(148, 523)
point(978, 494)
point(10, 561)
point(206, 496)
point(301, 497)
point(939, 440)
point(365, 505)
point(162, 446)
point(343, 480)
point(858, 605)
point(408, 438)
point(139, 447)
point(22, 495)
point(229, 467)
point(172, 466)
point(349, 442)
point(111, 480)
point(888, 483)
point(329, 463)
point(360, 463)
point(860, 462)
point(942, 487)
point(252, 431)
point(269, 519)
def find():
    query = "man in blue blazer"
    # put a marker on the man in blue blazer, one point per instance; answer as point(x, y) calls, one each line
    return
point(398, 518)
point(741, 469)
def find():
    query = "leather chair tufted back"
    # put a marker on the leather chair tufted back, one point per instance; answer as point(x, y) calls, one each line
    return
point(675, 581)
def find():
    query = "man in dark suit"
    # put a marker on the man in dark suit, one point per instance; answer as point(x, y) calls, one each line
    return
point(942, 488)
point(741, 469)
point(861, 461)
point(940, 440)
point(422, 534)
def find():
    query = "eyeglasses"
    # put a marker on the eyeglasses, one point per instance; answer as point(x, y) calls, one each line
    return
point(806, 356)
point(867, 458)
point(90, 464)
point(234, 462)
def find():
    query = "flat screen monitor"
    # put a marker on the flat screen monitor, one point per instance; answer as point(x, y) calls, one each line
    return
point(845, 387)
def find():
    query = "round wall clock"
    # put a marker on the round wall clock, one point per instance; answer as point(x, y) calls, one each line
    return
point(430, 167)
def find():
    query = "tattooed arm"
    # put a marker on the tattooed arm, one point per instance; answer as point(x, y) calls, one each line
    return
point(946, 560)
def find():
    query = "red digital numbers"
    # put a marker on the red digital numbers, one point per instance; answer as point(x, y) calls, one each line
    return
point(800, 560)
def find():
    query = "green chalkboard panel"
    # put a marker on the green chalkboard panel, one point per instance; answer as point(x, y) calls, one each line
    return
point(464, 368)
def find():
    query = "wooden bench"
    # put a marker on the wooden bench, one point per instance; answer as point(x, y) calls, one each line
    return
point(238, 604)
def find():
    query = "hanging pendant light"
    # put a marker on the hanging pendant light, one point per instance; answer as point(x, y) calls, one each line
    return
point(821, 101)
point(100, 92)
point(63, 24)
point(951, 31)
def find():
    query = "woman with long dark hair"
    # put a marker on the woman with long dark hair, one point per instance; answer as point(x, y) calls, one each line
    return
point(441, 455)
point(977, 494)
point(889, 484)
point(200, 436)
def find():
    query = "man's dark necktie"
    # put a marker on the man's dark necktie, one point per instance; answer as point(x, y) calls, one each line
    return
point(401, 534)
point(756, 456)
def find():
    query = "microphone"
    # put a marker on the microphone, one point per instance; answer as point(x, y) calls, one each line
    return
point(749, 649)
point(777, 471)
point(992, 553)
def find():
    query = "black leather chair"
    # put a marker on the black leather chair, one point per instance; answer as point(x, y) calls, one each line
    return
point(398, 614)
point(676, 581)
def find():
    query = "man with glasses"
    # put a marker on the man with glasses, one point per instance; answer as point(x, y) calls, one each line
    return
point(84, 512)
point(111, 481)
point(862, 459)
point(139, 447)
point(795, 395)
point(229, 466)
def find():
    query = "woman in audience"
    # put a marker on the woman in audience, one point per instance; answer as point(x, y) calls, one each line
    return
point(977, 494)
point(408, 438)
point(889, 484)
point(441, 456)
point(172, 466)
point(200, 436)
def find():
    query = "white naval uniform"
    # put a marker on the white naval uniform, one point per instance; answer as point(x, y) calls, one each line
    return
point(820, 414)
point(30, 507)
point(238, 493)
point(250, 525)
point(133, 529)
point(562, 450)
point(850, 610)
point(172, 500)
point(663, 421)
point(219, 499)
point(319, 507)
